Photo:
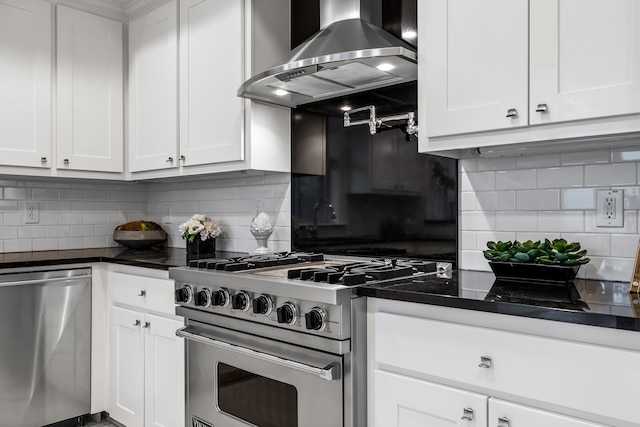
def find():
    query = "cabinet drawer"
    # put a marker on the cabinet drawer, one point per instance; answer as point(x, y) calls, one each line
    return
point(589, 378)
point(144, 292)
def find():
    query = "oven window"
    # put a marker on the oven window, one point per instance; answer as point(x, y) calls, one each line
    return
point(256, 399)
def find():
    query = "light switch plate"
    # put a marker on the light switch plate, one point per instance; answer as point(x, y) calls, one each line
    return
point(610, 208)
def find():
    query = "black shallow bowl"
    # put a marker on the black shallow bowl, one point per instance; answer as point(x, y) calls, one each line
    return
point(538, 273)
point(139, 239)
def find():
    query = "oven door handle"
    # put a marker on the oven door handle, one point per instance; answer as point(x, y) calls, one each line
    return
point(329, 372)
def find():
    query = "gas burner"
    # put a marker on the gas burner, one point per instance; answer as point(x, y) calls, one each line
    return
point(255, 261)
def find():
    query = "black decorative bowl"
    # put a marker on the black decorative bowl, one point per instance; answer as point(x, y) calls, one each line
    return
point(535, 273)
point(139, 239)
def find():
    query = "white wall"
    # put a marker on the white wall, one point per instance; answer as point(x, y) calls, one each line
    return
point(551, 196)
point(77, 214)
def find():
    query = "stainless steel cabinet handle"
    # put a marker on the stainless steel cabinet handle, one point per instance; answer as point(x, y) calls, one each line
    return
point(467, 414)
point(147, 324)
point(503, 422)
point(66, 161)
point(43, 159)
point(329, 373)
point(542, 108)
point(170, 160)
point(142, 293)
point(512, 112)
point(485, 362)
point(183, 158)
point(137, 323)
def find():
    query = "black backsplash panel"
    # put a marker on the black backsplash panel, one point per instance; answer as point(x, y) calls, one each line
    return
point(354, 193)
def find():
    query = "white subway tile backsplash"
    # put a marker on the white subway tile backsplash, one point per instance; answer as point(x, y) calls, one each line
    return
point(16, 193)
point(536, 236)
point(528, 162)
point(516, 221)
point(631, 197)
point(478, 220)
point(584, 157)
point(496, 164)
point(496, 200)
point(535, 200)
point(8, 205)
point(613, 174)
point(625, 155)
point(8, 233)
point(562, 177)
point(45, 244)
point(468, 165)
point(578, 198)
point(595, 244)
point(468, 240)
point(520, 179)
point(468, 201)
point(32, 232)
point(478, 181)
point(624, 245)
point(493, 236)
point(474, 260)
point(18, 245)
point(561, 221)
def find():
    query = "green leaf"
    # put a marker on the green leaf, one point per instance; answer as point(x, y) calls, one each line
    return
point(491, 245)
point(522, 257)
point(504, 257)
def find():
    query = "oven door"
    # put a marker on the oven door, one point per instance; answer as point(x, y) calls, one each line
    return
point(237, 379)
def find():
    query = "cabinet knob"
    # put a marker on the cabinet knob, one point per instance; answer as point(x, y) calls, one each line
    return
point(147, 324)
point(485, 362)
point(467, 414)
point(137, 323)
point(512, 112)
point(542, 108)
point(142, 293)
point(183, 158)
point(66, 161)
point(170, 160)
point(43, 159)
point(503, 422)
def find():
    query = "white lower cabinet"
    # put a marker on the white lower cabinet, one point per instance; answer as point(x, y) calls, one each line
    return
point(146, 359)
point(402, 401)
point(435, 366)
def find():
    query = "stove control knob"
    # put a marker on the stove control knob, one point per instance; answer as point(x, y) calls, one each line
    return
point(220, 297)
point(241, 301)
point(287, 313)
point(184, 295)
point(263, 305)
point(316, 319)
point(203, 298)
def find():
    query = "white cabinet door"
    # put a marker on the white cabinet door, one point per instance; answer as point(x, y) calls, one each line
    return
point(585, 59)
point(25, 83)
point(507, 414)
point(153, 86)
point(473, 65)
point(164, 392)
point(89, 92)
point(211, 70)
point(126, 361)
point(401, 401)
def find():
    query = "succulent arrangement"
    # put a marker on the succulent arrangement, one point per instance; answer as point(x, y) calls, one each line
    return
point(556, 252)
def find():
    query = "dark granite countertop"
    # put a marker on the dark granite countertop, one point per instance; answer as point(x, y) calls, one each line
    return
point(157, 258)
point(589, 302)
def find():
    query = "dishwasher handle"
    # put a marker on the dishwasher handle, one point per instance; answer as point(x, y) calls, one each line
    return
point(329, 373)
point(47, 280)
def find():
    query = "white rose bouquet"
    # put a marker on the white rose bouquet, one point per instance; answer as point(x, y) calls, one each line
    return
point(200, 225)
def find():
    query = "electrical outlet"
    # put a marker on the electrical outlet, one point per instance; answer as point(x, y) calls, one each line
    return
point(610, 208)
point(257, 206)
point(31, 213)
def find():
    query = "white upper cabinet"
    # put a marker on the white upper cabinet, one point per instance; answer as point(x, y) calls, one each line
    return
point(211, 115)
point(153, 86)
point(495, 72)
point(221, 43)
point(475, 76)
point(585, 59)
point(89, 92)
point(25, 83)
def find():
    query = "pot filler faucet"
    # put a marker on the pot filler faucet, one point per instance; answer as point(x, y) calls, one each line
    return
point(376, 123)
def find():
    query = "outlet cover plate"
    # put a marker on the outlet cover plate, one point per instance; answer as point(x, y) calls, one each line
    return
point(609, 208)
point(31, 213)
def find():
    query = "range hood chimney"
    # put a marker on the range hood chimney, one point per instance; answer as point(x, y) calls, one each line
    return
point(350, 54)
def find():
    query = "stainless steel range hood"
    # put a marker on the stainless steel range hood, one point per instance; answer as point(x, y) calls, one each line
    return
point(347, 56)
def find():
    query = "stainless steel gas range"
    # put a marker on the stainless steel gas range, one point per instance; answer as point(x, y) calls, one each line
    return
point(280, 340)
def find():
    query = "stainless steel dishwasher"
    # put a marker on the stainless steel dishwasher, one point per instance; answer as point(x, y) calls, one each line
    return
point(45, 346)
